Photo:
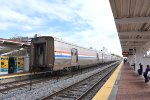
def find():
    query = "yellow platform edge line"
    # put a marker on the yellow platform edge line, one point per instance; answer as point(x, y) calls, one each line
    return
point(104, 92)
point(12, 76)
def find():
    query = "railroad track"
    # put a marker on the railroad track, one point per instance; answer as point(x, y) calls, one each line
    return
point(48, 87)
point(14, 85)
point(81, 90)
point(18, 84)
point(22, 83)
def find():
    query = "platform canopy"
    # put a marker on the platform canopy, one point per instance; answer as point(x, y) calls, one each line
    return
point(132, 18)
point(13, 43)
point(13, 47)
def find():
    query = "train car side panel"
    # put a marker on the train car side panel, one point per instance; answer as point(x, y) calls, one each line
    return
point(62, 55)
point(87, 57)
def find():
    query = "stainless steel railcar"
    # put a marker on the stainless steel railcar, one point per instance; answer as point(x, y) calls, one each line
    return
point(49, 53)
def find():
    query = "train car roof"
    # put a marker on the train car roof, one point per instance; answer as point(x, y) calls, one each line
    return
point(60, 40)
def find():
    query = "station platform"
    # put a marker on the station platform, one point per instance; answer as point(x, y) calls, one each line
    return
point(124, 84)
point(7, 78)
point(13, 75)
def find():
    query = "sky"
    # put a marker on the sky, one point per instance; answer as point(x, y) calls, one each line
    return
point(88, 23)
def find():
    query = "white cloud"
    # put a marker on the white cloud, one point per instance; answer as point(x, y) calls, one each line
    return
point(3, 26)
point(26, 27)
point(33, 15)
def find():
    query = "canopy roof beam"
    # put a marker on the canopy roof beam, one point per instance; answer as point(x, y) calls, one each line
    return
point(133, 20)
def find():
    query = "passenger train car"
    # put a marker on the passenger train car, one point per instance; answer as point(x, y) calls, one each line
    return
point(49, 53)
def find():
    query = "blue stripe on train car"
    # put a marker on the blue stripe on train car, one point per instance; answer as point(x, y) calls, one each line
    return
point(62, 57)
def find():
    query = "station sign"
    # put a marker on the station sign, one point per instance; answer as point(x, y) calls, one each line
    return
point(125, 54)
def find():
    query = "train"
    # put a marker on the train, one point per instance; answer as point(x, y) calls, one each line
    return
point(49, 53)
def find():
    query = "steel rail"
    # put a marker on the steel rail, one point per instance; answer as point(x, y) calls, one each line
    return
point(71, 86)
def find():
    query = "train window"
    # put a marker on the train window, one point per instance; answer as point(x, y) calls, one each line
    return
point(73, 52)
